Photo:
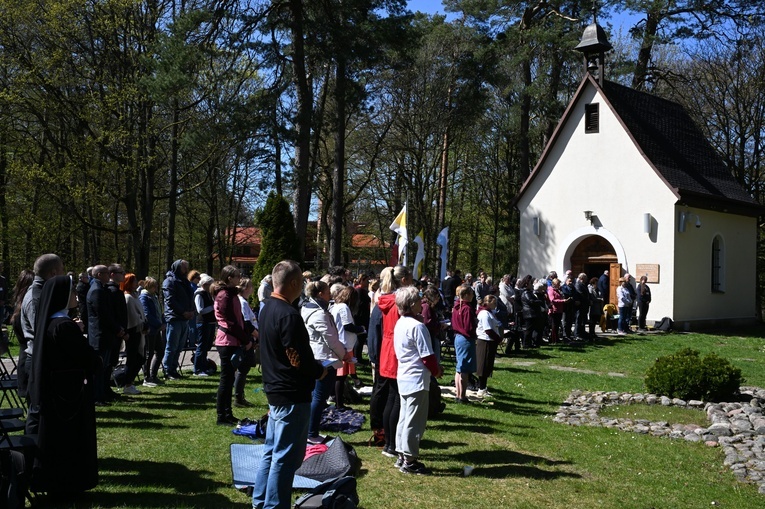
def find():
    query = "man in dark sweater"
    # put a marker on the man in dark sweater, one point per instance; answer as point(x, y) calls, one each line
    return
point(289, 375)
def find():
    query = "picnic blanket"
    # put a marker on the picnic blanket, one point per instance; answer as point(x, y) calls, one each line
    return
point(338, 460)
point(341, 421)
point(245, 459)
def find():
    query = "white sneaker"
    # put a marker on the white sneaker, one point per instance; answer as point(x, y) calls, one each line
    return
point(149, 382)
point(130, 389)
point(484, 393)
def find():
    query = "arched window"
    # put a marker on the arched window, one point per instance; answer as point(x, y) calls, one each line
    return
point(718, 264)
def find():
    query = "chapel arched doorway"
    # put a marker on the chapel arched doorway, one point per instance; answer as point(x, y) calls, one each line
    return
point(593, 256)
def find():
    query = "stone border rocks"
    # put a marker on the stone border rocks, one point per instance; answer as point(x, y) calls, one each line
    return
point(738, 428)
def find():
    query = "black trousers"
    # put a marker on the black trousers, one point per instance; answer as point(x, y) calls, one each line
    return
point(155, 349)
point(642, 312)
point(226, 385)
point(390, 414)
point(377, 401)
point(240, 378)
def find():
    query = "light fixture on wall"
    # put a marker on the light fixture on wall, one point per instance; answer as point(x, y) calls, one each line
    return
point(685, 217)
point(535, 225)
point(647, 220)
point(588, 215)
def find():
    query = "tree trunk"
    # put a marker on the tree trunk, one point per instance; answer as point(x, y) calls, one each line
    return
point(6, 252)
point(441, 212)
point(524, 145)
point(338, 177)
point(172, 203)
point(302, 124)
point(277, 151)
point(644, 55)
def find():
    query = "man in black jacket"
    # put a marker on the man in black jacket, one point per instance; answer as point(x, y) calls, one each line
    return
point(582, 296)
point(604, 285)
point(104, 332)
point(449, 287)
point(179, 309)
point(290, 372)
point(119, 310)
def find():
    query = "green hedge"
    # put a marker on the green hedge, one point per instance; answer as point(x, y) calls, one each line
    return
point(686, 375)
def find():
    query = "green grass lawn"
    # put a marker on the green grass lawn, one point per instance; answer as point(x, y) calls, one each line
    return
point(657, 413)
point(163, 449)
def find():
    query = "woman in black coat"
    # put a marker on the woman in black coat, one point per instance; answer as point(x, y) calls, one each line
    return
point(534, 315)
point(61, 392)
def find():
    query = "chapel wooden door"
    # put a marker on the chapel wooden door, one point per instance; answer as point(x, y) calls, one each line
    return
point(614, 273)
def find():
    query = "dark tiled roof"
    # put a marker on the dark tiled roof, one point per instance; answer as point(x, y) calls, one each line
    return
point(677, 148)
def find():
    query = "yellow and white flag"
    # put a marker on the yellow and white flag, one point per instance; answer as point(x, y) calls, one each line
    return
point(399, 226)
point(419, 259)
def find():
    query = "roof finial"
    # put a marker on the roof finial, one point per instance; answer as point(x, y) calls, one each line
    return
point(594, 11)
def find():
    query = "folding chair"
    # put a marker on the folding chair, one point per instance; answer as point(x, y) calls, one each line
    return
point(9, 386)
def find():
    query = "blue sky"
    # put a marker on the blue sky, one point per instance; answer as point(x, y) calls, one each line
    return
point(621, 20)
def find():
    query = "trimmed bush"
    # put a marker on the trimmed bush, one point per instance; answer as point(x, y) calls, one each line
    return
point(278, 238)
point(686, 375)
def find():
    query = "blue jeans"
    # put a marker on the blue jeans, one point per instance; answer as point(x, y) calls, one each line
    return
point(283, 454)
point(205, 336)
point(192, 337)
point(321, 392)
point(177, 331)
point(625, 315)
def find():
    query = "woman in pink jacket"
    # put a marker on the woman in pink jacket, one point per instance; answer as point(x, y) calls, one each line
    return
point(557, 305)
point(231, 338)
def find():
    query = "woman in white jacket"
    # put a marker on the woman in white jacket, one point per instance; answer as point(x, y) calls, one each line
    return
point(326, 347)
point(346, 299)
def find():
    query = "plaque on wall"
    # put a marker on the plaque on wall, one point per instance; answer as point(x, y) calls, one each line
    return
point(647, 269)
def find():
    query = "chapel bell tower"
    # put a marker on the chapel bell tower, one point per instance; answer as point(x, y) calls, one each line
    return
point(594, 46)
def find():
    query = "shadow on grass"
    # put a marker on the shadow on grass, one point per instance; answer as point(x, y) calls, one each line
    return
point(499, 464)
point(456, 422)
point(432, 445)
point(186, 488)
point(531, 408)
point(182, 399)
point(536, 354)
point(118, 418)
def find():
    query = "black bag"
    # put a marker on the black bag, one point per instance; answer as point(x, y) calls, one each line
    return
point(435, 405)
point(16, 468)
point(664, 325)
point(339, 460)
point(337, 493)
point(119, 375)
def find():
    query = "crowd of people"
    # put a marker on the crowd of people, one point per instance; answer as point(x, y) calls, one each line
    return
point(308, 333)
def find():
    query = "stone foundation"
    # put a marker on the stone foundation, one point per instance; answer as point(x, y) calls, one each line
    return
point(738, 428)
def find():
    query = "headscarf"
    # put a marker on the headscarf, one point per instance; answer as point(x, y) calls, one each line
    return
point(54, 298)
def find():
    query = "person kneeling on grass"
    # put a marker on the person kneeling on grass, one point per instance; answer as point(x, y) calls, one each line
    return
point(416, 362)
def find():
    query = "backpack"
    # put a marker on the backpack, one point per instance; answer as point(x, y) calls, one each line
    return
point(337, 493)
point(664, 325)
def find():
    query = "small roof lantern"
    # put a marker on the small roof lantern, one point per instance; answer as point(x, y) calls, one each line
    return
point(594, 46)
point(594, 40)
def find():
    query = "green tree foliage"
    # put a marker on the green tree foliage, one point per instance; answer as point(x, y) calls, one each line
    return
point(278, 240)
